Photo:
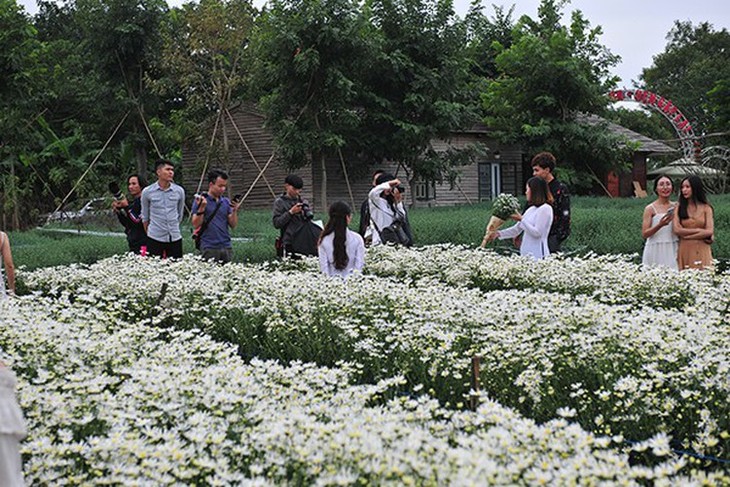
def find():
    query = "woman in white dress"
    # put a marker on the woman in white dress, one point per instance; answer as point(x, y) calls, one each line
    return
point(7, 260)
point(12, 430)
point(661, 245)
point(341, 251)
point(535, 223)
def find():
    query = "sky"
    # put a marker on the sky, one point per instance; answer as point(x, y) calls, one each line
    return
point(634, 29)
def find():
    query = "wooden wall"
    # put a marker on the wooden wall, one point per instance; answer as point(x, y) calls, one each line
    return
point(257, 149)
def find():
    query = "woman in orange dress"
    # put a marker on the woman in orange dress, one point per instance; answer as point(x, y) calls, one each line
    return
point(694, 225)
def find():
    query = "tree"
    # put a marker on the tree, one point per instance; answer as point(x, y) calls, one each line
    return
point(417, 88)
point(206, 62)
point(312, 55)
point(549, 75)
point(18, 69)
point(123, 39)
point(694, 72)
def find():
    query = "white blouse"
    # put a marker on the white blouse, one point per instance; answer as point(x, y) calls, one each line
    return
point(535, 224)
point(381, 214)
point(355, 247)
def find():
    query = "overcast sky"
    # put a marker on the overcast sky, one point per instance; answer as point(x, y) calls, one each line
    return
point(634, 29)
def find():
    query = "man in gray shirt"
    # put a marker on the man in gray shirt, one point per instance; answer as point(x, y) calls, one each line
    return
point(163, 207)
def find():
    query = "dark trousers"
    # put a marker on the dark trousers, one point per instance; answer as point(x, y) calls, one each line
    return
point(173, 250)
point(554, 243)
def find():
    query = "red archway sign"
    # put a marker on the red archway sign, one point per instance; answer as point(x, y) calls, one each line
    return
point(690, 146)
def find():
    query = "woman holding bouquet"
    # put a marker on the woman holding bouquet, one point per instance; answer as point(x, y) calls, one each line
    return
point(534, 224)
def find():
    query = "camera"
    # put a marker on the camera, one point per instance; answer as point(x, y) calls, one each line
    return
point(400, 188)
point(307, 212)
point(115, 191)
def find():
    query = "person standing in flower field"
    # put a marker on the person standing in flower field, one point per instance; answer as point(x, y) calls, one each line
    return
point(213, 214)
point(694, 224)
point(534, 225)
point(341, 251)
point(543, 166)
point(7, 262)
point(163, 207)
point(661, 245)
point(12, 430)
point(130, 214)
point(293, 217)
point(366, 227)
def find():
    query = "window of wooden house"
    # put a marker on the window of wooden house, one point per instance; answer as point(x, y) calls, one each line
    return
point(425, 190)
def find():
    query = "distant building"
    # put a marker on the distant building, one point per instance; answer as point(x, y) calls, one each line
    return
point(502, 168)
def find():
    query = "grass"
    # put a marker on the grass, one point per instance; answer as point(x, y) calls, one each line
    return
point(601, 225)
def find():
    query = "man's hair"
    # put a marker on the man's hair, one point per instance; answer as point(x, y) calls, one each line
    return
point(163, 162)
point(295, 181)
point(214, 174)
point(545, 160)
point(378, 172)
point(384, 177)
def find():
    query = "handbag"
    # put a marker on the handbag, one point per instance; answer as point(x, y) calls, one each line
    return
point(395, 234)
point(198, 232)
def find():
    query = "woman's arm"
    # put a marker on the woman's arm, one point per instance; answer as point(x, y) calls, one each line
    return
point(511, 232)
point(8, 262)
point(323, 252)
point(646, 229)
point(678, 229)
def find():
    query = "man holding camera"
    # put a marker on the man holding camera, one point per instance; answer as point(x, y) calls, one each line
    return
point(130, 214)
point(293, 217)
point(163, 207)
point(213, 214)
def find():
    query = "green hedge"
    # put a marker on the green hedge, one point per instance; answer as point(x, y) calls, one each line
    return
point(601, 225)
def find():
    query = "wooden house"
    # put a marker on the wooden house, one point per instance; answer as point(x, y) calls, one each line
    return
point(256, 173)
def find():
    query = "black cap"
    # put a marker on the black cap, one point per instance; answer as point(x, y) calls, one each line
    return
point(384, 178)
point(295, 181)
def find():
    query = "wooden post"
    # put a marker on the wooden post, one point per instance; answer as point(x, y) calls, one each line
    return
point(474, 397)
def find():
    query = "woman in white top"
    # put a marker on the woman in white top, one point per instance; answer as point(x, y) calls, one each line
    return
point(661, 245)
point(7, 260)
point(386, 205)
point(12, 430)
point(341, 251)
point(535, 223)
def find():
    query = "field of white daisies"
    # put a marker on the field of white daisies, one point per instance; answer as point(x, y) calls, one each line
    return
point(593, 371)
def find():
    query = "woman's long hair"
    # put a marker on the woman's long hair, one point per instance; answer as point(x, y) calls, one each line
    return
point(698, 195)
point(539, 192)
point(337, 223)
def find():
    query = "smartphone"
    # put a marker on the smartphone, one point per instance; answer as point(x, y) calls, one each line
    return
point(237, 198)
point(670, 211)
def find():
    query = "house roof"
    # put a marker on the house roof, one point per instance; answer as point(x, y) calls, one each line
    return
point(645, 144)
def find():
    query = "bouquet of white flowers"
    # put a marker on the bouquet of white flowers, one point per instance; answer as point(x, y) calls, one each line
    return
point(503, 207)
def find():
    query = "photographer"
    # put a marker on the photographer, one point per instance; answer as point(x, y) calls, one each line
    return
point(387, 208)
point(213, 214)
point(293, 217)
point(130, 214)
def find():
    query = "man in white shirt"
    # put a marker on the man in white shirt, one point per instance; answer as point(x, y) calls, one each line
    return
point(163, 207)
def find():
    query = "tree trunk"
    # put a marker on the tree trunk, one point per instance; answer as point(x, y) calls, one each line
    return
point(323, 176)
point(16, 210)
point(323, 172)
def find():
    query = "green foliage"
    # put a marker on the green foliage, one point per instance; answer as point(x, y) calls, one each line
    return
point(419, 84)
point(695, 63)
point(548, 76)
point(205, 60)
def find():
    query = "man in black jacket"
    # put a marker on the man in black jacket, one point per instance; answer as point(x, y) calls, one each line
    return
point(543, 166)
point(293, 217)
point(130, 214)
